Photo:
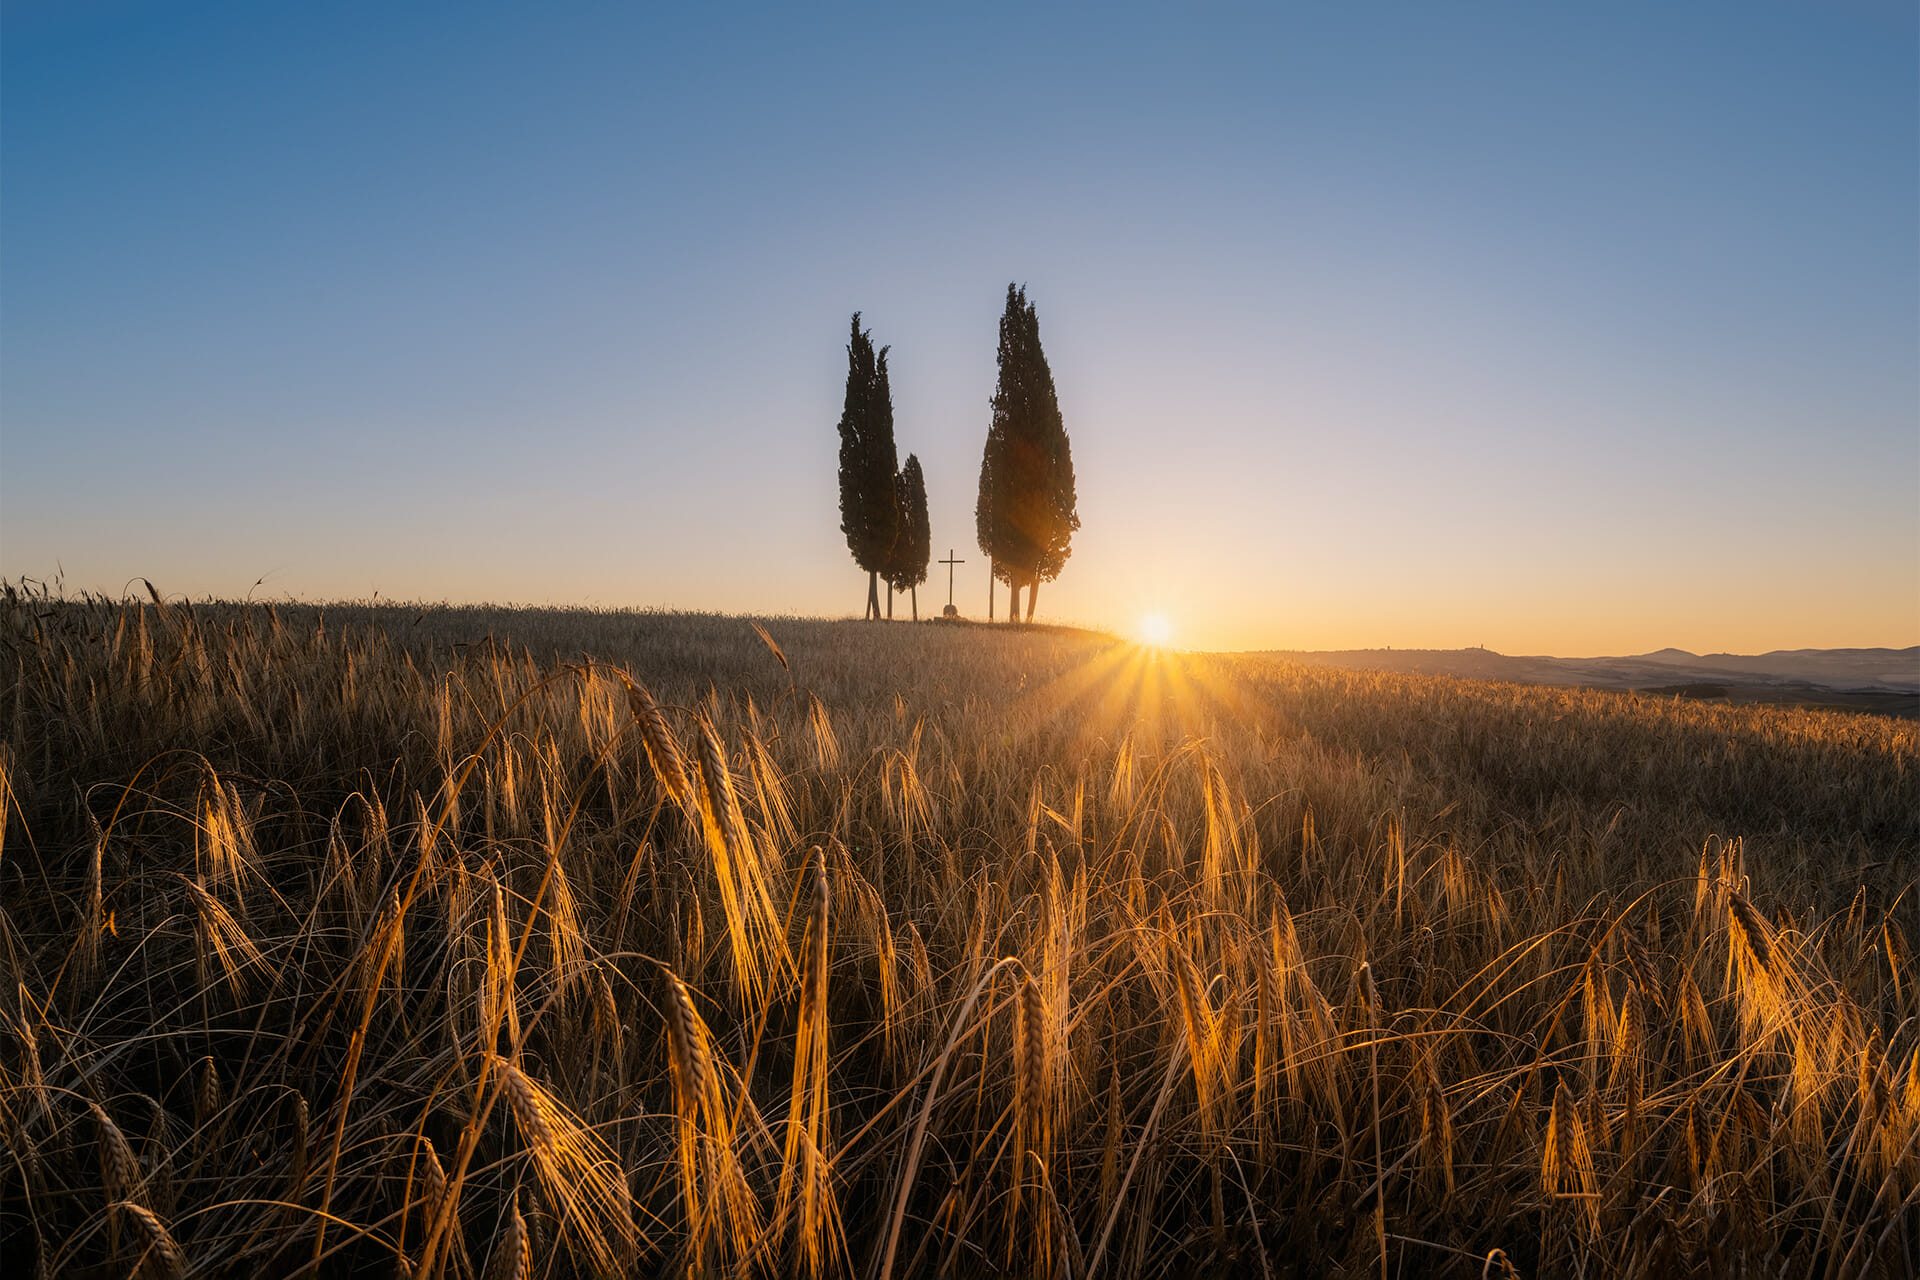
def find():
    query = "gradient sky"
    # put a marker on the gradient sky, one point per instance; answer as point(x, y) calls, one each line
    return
point(1560, 331)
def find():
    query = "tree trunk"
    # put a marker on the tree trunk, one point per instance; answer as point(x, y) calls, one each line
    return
point(1013, 604)
point(1033, 595)
point(873, 595)
point(989, 589)
point(913, 593)
point(889, 602)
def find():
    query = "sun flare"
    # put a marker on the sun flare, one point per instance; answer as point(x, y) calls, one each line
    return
point(1155, 629)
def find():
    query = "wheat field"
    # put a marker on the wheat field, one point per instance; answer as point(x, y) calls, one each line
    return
point(468, 943)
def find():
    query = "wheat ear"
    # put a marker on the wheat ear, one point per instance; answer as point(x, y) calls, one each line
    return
point(512, 1251)
point(163, 1259)
point(669, 766)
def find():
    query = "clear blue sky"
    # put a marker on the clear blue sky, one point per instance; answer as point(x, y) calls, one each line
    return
point(1560, 330)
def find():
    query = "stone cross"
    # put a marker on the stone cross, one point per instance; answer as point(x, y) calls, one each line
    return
point(950, 562)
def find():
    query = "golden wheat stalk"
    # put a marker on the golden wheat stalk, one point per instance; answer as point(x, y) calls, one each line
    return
point(119, 1170)
point(1033, 1112)
point(770, 790)
point(222, 938)
point(433, 1179)
point(1436, 1132)
point(826, 746)
point(162, 1259)
point(94, 920)
point(500, 986)
point(6, 793)
point(512, 1253)
point(1762, 989)
point(565, 944)
point(389, 943)
point(1696, 1026)
point(536, 1125)
point(1641, 964)
point(1197, 1021)
point(756, 943)
point(1370, 1002)
point(209, 1099)
point(1566, 1155)
point(608, 1035)
point(779, 654)
point(712, 1184)
point(578, 1171)
point(1110, 1149)
point(804, 1160)
point(1630, 1035)
point(663, 752)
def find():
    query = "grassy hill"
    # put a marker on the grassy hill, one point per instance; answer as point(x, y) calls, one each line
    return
point(392, 939)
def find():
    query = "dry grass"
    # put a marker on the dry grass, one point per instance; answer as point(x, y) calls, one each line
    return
point(470, 943)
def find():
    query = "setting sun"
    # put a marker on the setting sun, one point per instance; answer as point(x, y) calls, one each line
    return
point(1155, 629)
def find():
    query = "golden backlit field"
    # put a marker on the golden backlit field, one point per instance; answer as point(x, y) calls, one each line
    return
point(482, 943)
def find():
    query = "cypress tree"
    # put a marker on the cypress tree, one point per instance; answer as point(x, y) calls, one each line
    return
point(1025, 516)
point(869, 501)
point(915, 549)
point(883, 474)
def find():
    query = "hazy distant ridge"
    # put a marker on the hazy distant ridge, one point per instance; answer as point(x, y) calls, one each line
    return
point(1894, 669)
point(1864, 670)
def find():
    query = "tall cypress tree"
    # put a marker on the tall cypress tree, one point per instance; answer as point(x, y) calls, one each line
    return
point(915, 549)
point(1026, 513)
point(869, 501)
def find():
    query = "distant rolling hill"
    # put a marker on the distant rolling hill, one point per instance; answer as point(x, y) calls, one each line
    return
point(1886, 680)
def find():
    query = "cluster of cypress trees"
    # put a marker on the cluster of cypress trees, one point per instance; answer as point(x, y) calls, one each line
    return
point(883, 510)
point(1025, 515)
